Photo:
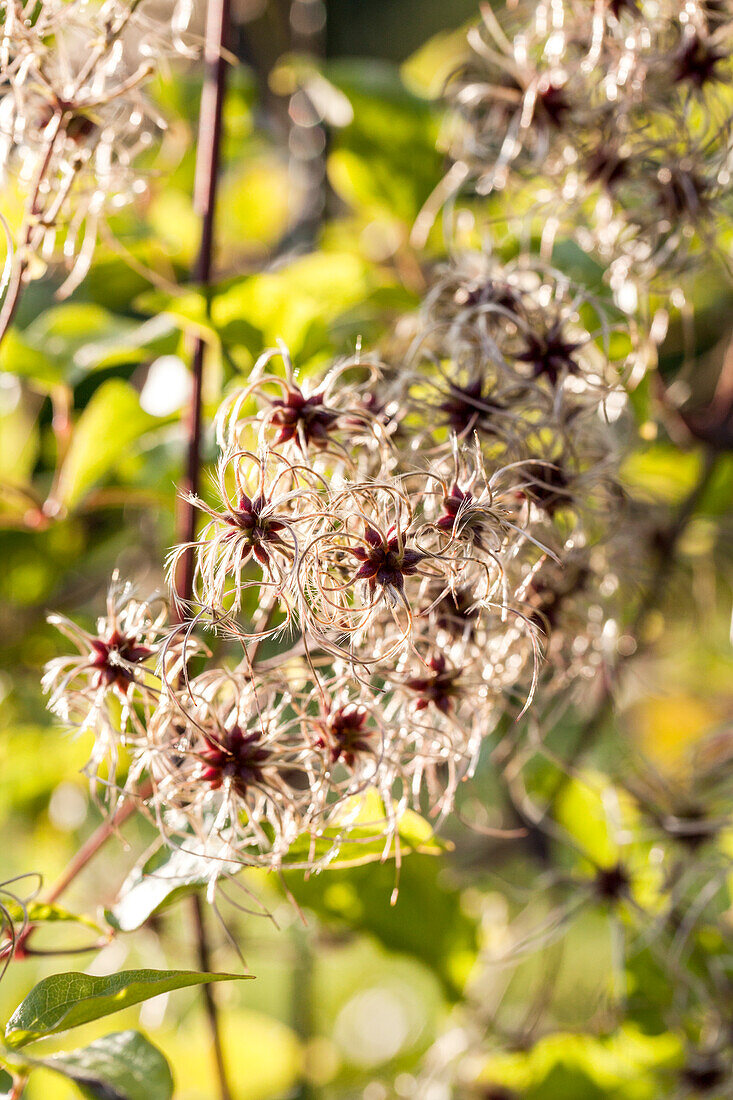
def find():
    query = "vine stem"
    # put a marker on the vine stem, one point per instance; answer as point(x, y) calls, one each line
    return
point(301, 999)
point(14, 289)
point(205, 188)
point(108, 828)
point(97, 840)
point(208, 157)
point(20, 1080)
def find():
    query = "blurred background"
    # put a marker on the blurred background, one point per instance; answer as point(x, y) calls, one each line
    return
point(331, 123)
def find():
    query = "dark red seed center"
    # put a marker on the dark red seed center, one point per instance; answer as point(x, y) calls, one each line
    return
point(234, 755)
point(112, 657)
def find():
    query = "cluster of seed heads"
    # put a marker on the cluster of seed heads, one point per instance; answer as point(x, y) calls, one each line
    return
point(391, 547)
point(74, 118)
point(606, 122)
point(610, 119)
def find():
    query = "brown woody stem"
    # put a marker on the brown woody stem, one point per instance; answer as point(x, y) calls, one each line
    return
point(97, 840)
point(205, 189)
point(14, 289)
point(208, 158)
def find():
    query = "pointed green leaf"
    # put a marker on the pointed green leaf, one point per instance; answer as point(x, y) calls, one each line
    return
point(120, 1066)
point(62, 1001)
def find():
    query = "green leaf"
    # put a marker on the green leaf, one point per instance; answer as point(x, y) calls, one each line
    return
point(32, 758)
point(62, 1001)
point(19, 356)
point(111, 422)
point(175, 223)
point(385, 164)
point(19, 436)
point(187, 310)
point(288, 303)
point(126, 343)
point(167, 875)
point(364, 842)
point(661, 473)
point(426, 921)
point(314, 303)
point(254, 201)
point(6, 1085)
point(120, 1066)
point(62, 330)
point(426, 71)
point(585, 1067)
point(162, 878)
point(582, 811)
point(67, 342)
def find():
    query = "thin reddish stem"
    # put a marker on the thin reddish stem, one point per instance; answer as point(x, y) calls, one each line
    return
point(20, 1080)
point(14, 289)
point(208, 157)
point(97, 840)
point(205, 189)
point(126, 808)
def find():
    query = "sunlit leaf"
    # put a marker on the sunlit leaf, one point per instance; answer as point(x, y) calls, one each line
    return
point(426, 71)
point(63, 1001)
point(161, 879)
point(120, 1066)
point(426, 921)
point(661, 472)
point(172, 217)
point(255, 202)
point(565, 1066)
point(187, 308)
point(33, 759)
point(582, 811)
point(111, 422)
point(167, 875)
point(385, 163)
point(20, 356)
point(363, 841)
point(136, 343)
point(286, 304)
point(19, 435)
